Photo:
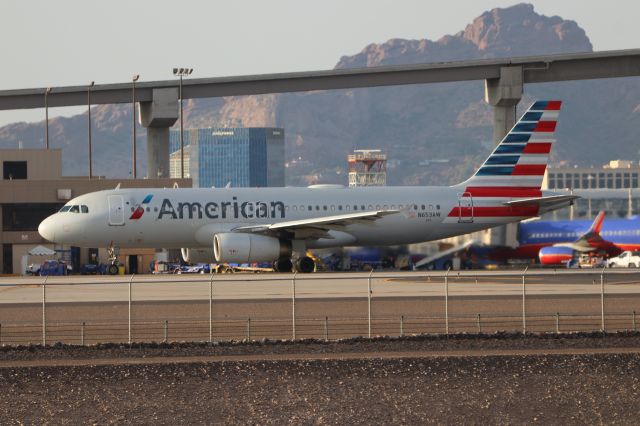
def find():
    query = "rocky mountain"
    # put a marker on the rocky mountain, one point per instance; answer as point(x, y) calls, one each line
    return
point(413, 124)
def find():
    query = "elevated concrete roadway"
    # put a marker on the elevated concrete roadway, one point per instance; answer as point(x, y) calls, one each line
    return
point(504, 79)
point(535, 69)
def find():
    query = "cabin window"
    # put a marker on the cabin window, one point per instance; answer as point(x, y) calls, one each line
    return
point(310, 208)
point(362, 207)
point(355, 207)
point(84, 208)
point(386, 207)
point(393, 206)
point(340, 207)
point(324, 207)
point(333, 207)
point(370, 207)
point(317, 207)
point(75, 209)
point(422, 207)
point(377, 206)
point(65, 209)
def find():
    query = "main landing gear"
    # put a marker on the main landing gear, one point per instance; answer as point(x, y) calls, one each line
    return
point(304, 265)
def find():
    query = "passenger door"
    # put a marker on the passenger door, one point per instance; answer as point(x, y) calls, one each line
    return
point(116, 210)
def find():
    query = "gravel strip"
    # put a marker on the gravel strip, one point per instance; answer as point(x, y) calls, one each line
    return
point(582, 389)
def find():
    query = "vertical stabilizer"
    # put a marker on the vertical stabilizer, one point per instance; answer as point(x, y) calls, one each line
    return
point(517, 165)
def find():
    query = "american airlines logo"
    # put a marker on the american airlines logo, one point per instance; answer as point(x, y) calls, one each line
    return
point(234, 209)
point(139, 210)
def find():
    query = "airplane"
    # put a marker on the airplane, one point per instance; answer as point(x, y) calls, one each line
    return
point(556, 242)
point(245, 225)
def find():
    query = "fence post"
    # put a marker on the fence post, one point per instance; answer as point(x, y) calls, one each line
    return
point(602, 299)
point(248, 329)
point(130, 281)
point(557, 322)
point(446, 301)
point(369, 303)
point(293, 306)
point(401, 325)
point(166, 331)
point(479, 324)
point(82, 334)
point(326, 328)
point(524, 301)
point(44, 311)
point(211, 308)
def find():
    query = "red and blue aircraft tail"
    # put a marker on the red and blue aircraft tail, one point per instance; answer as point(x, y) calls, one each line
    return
point(517, 165)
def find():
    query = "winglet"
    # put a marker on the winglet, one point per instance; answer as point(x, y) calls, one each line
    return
point(597, 224)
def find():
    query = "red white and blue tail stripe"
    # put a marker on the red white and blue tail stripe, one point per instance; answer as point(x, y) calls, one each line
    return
point(519, 162)
point(514, 170)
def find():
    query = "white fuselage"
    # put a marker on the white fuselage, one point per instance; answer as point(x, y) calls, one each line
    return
point(175, 218)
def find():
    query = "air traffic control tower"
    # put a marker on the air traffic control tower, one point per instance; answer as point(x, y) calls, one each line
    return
point(367, 167)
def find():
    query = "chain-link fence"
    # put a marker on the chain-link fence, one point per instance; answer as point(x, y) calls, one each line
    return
point(320, 306)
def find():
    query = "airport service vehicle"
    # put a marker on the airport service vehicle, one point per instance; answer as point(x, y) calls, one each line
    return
point(50, 267)
point(558, 242)
point(247, 225)
point(628, 259)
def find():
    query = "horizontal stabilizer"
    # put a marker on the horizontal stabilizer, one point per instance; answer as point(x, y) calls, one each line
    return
point(543, 202)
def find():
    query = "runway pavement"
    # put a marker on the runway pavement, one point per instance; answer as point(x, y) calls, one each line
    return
point(329, 305)
point(83, 289)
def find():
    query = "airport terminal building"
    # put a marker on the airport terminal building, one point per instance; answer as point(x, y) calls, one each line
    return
point(32, 188)
point(242, 157)
point(613, 188)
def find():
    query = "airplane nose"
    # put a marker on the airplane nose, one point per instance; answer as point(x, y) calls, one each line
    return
point(46, 229)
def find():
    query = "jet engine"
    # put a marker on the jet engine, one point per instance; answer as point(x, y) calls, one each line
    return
point(244, 248)
point(197, 255)
point(555, 255)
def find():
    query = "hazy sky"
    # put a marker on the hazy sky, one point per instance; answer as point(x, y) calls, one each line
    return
point(71, 42)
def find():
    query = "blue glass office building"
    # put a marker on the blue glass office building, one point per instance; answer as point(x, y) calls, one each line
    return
point(244, 157)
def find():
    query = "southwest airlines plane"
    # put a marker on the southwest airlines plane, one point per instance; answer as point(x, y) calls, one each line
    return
point(555, 242)
point(278, 225)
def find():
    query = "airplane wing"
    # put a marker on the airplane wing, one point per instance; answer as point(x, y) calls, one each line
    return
point(317, 227)
point(545, 203)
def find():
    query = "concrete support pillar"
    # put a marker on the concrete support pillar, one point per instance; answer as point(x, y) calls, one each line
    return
point(158, 116)
point(157, 152)
point(503, 94)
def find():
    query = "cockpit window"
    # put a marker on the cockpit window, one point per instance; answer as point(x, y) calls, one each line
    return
point(84, 209)
point(65, 209)
point(75, 209)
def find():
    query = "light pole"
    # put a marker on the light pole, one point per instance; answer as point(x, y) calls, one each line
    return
point(46, 117)
point(133, 104)
point(89, 124)
point(181, 72)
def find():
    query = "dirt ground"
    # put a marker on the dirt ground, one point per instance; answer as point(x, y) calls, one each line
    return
point(503, 379)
